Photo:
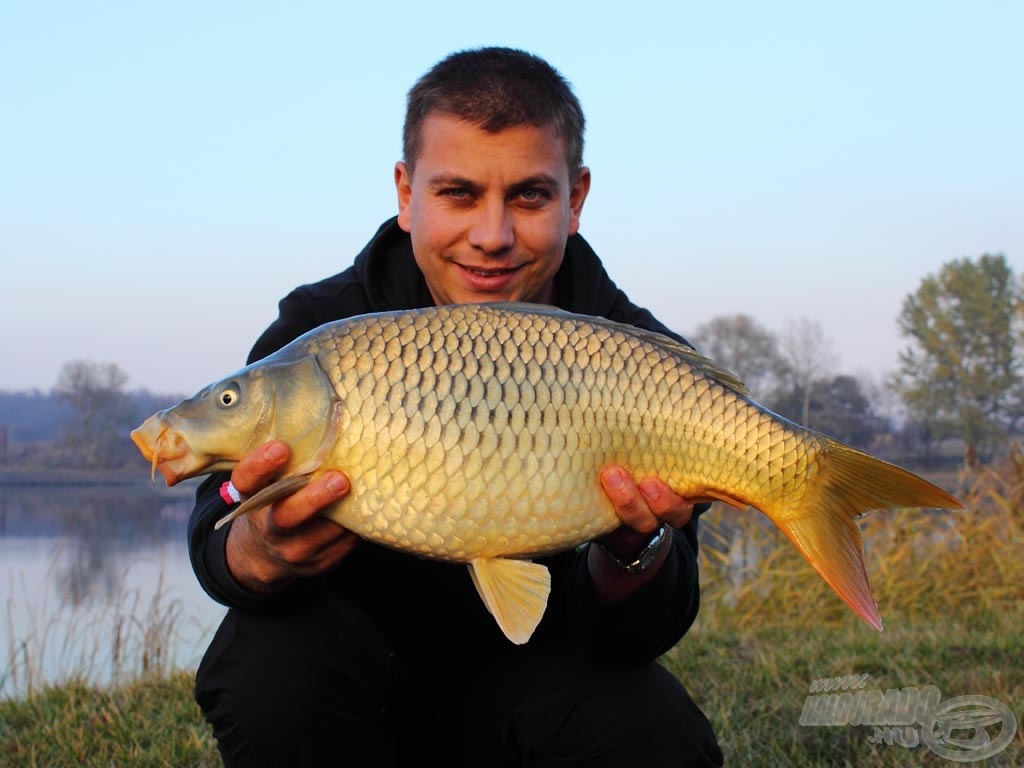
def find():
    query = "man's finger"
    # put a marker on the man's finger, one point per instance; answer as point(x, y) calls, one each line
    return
point(307, 503)
point(258, 467)
point(630, 505)
point(321, 545)
point(337, 550)
point(665, 503)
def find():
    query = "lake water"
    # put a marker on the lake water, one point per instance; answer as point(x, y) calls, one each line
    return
point(95, 582)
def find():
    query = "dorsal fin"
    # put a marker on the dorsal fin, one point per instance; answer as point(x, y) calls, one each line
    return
point(691, 356)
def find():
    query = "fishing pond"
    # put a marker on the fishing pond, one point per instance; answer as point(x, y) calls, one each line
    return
point(96, 584)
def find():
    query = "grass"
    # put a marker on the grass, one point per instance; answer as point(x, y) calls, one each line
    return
point(148, 723)
point(950, 588)
point(753, 680)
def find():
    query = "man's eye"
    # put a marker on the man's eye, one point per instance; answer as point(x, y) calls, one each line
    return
point(533, 195)
point(457, 193)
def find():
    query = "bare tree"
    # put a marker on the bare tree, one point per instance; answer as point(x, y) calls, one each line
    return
point(101, 410)
point(739, 343)
point(808, 352)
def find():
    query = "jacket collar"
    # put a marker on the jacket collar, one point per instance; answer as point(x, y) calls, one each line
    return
point(393, 281)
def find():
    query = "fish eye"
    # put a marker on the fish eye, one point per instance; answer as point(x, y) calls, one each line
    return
point(228, 396)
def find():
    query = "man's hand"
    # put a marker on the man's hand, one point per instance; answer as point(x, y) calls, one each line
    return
point(273, 546)
point(642, 508)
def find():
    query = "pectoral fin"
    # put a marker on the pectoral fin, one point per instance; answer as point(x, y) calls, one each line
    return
point(273, 492)
point(514, 591)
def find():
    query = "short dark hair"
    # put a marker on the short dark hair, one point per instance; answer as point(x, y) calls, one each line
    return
point(496, 88)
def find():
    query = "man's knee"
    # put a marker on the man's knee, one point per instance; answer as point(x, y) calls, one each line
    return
point(299, 677)
point(681, 721)
point(646, 717)
point(260, 666)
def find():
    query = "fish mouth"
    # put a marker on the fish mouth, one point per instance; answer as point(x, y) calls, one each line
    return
point(166, 449)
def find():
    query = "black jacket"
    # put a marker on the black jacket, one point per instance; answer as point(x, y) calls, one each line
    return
point(429, 605)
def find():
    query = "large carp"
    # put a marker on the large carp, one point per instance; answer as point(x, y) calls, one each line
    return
point(475, 434)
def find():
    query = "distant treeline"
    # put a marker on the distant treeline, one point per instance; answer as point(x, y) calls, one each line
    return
point(83, 428)
point(32, 417)
point(42, 417)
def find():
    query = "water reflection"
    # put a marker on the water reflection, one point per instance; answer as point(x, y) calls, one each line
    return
point(95, 582)
point(97, 531)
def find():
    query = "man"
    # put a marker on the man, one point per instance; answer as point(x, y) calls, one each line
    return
point(337, 651)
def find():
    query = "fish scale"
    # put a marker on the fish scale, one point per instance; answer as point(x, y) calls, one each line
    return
point(502, 420)
point(475, 434)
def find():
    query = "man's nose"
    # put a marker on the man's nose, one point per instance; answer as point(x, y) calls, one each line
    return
point(492, 230)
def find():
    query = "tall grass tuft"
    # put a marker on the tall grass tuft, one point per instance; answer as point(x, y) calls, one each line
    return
point(131, 638)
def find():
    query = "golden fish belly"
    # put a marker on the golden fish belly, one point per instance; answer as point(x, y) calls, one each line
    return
point(465, 438)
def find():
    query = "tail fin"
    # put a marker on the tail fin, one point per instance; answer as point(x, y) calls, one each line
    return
point(824, 526)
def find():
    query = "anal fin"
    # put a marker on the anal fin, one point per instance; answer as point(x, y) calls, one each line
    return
point(514, 591)
point(713, 495)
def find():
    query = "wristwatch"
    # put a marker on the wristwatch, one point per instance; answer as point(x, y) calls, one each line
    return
point(646, 556)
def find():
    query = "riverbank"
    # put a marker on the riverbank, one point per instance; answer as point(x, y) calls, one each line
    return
point(751, 678)
point(14, 479)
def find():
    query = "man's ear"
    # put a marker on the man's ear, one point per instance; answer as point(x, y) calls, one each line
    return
point(577, 196)
point(403, 187)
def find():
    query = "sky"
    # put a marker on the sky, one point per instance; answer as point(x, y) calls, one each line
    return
point(169, 171)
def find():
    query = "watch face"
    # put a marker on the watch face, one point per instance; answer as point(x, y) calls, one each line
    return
point(652, 549)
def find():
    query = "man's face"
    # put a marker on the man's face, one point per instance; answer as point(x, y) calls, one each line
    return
point(489, 213)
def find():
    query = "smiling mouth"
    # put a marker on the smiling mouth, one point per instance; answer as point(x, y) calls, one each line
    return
point(481, 272)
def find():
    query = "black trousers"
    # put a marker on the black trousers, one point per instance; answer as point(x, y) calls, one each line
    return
point(318, 684)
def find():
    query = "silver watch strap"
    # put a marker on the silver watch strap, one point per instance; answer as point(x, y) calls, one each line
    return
point(646, 555)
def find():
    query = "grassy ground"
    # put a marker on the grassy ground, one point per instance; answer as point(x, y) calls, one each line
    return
point(147, 723)
point(950, 588)
point(751, 681)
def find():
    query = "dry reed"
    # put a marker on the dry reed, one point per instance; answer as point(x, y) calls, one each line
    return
point(130, 638)
point(923, 564)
